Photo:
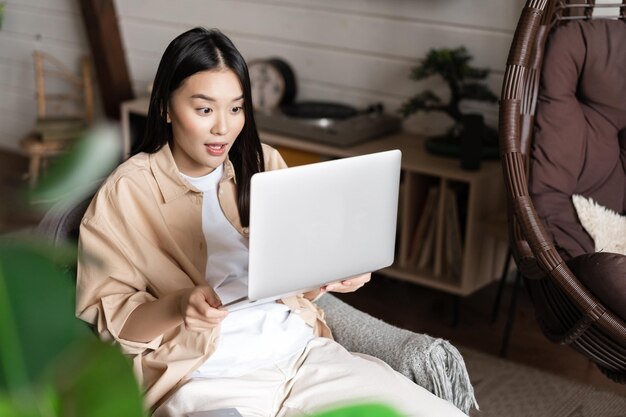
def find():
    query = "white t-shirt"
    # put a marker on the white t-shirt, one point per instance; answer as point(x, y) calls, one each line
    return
point(253, 337)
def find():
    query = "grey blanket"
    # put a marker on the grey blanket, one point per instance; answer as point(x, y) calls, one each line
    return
point(432, 363)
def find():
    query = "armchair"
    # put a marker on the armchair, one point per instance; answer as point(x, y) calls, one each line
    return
point(563, 132)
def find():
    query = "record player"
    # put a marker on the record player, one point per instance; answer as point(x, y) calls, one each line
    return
point(273, 91)
point(322, 122)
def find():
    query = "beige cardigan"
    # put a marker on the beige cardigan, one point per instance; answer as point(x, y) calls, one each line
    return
point(141, 238)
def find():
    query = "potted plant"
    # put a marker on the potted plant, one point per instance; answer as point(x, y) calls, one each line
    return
point(464, 82)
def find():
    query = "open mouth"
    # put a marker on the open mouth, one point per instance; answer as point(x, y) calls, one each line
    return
point(216, 149)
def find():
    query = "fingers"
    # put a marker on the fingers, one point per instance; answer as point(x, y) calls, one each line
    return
point(359, 279)
point(198, 313)
point(211, 297)
point(210, 313)
point(341, 287)
point(348, 285)
point(202, 323)
point(204, 318)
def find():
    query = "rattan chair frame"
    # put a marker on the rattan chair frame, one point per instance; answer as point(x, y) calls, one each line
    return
point(567, 312)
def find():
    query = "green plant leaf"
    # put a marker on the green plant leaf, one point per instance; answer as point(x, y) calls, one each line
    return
point(13, 374)
point(10, 408)
point(43, 343)
point(61, 254)
point(48, 399)
point(479, 92)
point(37, 320)
point(361, 410)
point(96, 380)
point(453, 65)
point(475, 73)
point(42, 405)
point(426, 101)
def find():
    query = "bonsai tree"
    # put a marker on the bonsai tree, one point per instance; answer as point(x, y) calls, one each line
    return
point(464, 82)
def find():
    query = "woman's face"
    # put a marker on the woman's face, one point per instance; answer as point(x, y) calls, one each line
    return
point(207, 115)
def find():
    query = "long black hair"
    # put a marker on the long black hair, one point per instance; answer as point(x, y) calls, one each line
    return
point(198, 50)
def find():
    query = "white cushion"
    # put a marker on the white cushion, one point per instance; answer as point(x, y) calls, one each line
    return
point(606, 227)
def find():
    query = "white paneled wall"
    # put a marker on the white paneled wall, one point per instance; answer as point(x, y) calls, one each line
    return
point(353, 51)
point(53, 26)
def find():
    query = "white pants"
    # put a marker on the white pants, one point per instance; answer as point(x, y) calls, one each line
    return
point(323, 376)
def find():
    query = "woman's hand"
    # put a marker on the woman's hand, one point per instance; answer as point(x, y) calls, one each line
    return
point(348, 285)
point(198, 308)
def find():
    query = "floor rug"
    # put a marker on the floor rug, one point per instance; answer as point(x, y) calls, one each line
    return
point(507, 389)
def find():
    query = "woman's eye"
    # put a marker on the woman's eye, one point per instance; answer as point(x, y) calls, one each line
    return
point(237, 109)
point(205, 110)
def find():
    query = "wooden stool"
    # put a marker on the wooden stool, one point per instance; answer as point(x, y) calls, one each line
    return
point(39, 153)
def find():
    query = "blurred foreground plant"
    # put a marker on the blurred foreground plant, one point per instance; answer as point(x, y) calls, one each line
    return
point(361, 410)
point(51, 364)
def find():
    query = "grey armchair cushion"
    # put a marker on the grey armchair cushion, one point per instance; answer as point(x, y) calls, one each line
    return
point(432, 363)
point(61, 223)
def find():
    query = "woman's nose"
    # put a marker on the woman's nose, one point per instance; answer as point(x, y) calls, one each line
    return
point(220, 127)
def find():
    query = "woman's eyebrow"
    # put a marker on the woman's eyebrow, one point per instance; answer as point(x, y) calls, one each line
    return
point(207, 98)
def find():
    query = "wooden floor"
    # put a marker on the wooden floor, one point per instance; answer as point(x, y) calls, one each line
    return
point(400, 303)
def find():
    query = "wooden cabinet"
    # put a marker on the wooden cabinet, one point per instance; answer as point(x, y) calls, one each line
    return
point(475, 257)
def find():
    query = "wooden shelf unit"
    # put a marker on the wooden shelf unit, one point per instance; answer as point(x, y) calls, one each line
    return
point(483, 245)
point(484, 248)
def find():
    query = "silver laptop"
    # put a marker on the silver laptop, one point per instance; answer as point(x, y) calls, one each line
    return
point(316, 224)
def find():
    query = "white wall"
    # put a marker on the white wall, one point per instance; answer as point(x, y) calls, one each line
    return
point(352, 51)
point(53, 26)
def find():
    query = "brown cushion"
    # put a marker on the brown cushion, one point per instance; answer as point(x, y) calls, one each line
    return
point(604, 274)
point(579, 145)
